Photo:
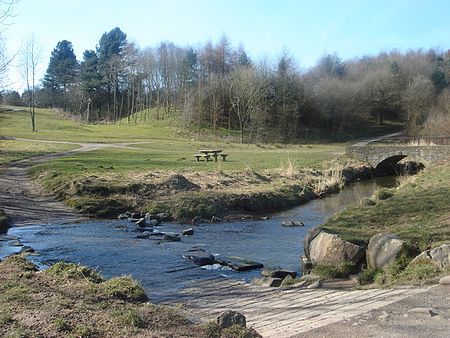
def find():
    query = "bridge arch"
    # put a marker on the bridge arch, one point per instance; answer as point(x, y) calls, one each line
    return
point(388, 165)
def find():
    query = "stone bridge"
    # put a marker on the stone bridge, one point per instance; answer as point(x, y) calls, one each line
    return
point(389, 152)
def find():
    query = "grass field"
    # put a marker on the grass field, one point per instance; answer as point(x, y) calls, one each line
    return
point(12, 150)
point(15, 122)
point(165, 149)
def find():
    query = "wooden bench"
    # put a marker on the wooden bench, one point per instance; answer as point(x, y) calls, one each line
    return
point(201, 156)
point(224, 156)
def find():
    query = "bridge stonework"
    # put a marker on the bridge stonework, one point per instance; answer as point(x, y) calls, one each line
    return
point(375, 154)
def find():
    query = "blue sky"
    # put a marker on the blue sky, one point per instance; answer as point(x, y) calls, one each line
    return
point(306, 28)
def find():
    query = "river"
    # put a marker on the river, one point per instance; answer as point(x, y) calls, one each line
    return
point(111, 246)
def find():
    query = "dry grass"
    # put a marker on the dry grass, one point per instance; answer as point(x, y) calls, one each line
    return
point(64, 302)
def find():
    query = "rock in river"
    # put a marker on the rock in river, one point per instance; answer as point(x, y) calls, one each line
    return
point(199, 257)
point(142, 223)
point(238, 264)
point(292, 224)
point(187, 232)
point(171, 238)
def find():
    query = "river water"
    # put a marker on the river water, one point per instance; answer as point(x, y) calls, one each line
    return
point(111, 246)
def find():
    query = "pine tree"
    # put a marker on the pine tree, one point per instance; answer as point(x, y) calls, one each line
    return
point(62, 69)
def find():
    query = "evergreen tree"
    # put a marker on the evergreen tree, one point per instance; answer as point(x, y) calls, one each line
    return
point(110, 52)
point(89, 73)
point(62, 69)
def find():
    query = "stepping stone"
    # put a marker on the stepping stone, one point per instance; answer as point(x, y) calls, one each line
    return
point(239, 264)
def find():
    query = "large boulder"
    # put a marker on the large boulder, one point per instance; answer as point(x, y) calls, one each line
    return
point(383, 249)
point(441, 255)
point(326, 248)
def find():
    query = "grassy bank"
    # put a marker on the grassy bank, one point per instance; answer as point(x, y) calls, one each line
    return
point(69, 300)
point(418, 210)
point(183, 193)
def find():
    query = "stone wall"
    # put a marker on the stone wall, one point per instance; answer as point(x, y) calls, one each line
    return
point(374, 154)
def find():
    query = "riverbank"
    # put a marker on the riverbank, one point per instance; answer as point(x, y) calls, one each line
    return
point(185, 194)
point(69, 300)
point(417, 212)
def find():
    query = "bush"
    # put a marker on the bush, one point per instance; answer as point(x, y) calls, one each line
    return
point(124, 288)
point(74, 271)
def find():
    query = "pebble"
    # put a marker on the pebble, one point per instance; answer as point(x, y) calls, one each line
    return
point(423, 311)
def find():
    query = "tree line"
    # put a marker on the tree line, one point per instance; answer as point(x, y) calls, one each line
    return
point(218, 86)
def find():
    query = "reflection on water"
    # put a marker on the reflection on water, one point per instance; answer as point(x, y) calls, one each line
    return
point(111, 246)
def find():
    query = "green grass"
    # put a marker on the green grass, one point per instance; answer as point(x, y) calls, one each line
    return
point(165, 149)
point(15, 122)
point(13, 150)
point(418, 210)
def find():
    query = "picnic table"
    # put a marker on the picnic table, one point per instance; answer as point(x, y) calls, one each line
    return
point(208, 153)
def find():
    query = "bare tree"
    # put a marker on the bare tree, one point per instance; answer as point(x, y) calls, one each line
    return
point(29, 59)
point(245, 95)
point(6, 12)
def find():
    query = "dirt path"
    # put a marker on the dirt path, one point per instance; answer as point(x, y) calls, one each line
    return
point(24, 202)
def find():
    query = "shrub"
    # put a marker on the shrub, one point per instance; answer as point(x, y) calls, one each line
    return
point(74, 271)
point(124, 288)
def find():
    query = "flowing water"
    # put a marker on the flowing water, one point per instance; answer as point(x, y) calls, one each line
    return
point(111, 246)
